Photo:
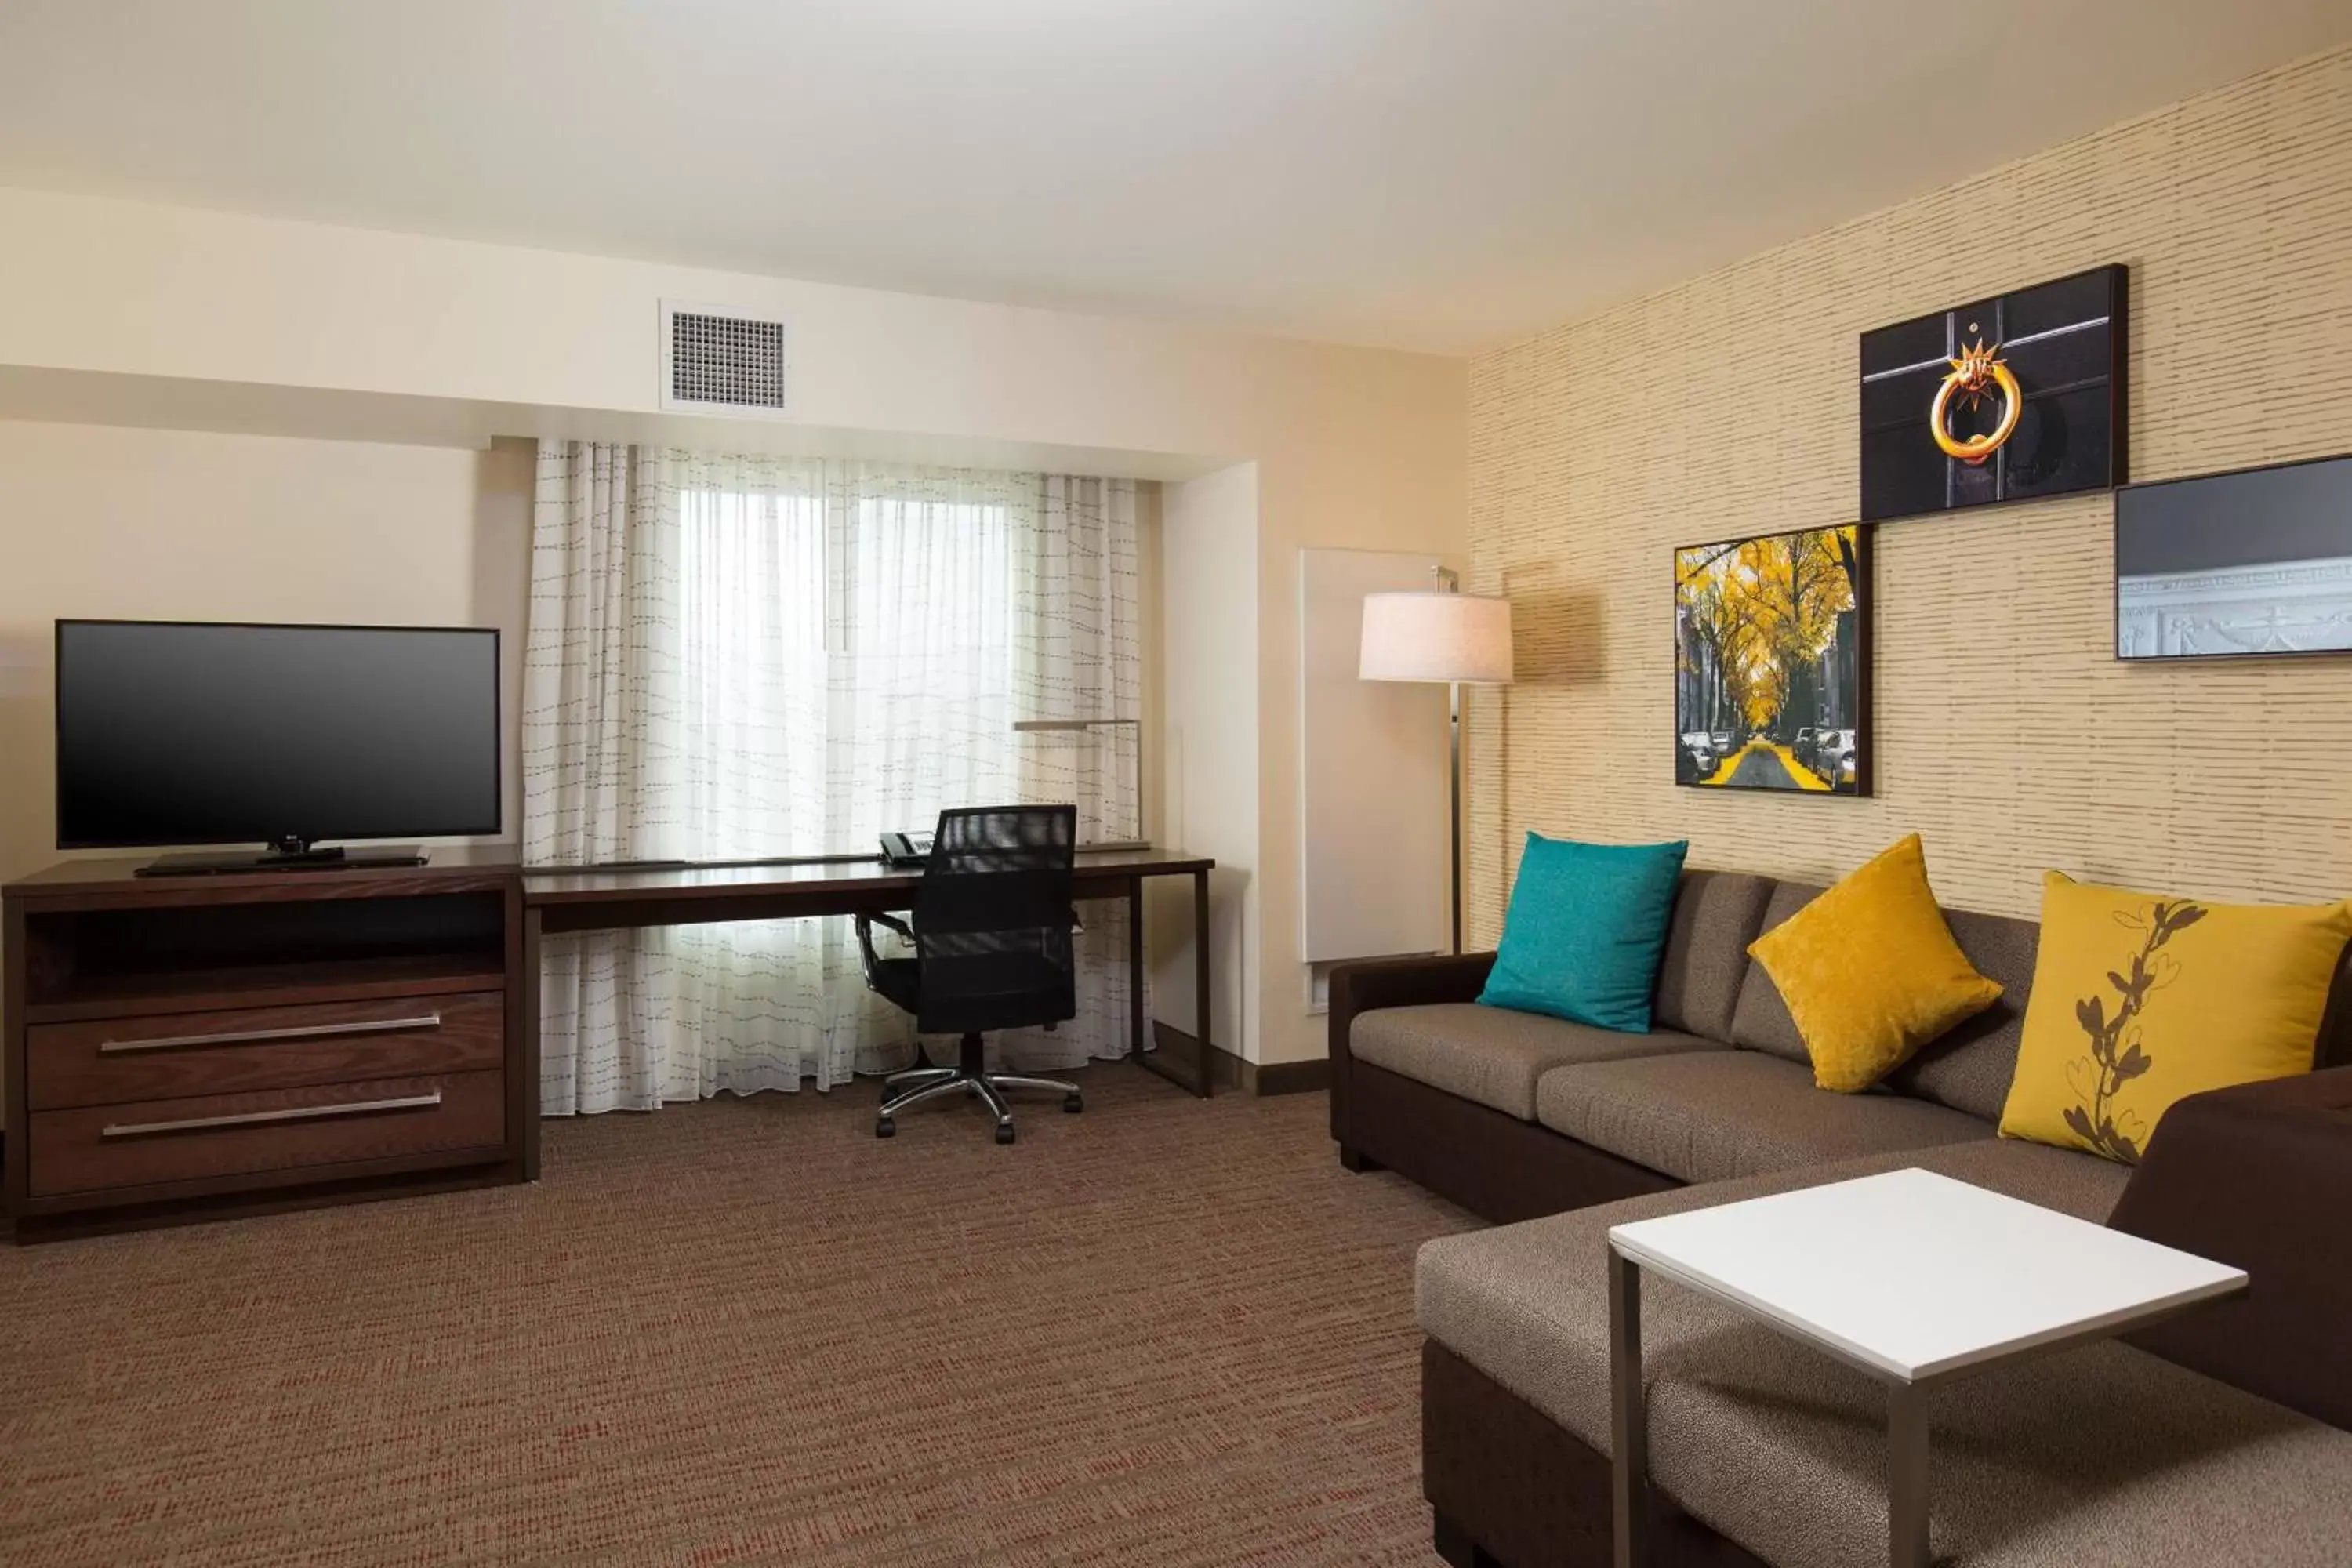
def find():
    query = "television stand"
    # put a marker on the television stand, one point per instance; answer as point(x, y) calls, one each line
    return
point(329, 857)
point(183, 1048)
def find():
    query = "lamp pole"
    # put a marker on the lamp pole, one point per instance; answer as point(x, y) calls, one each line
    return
point(1450, 582)
point(1454, 790)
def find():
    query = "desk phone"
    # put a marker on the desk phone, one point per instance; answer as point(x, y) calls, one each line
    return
point(906, 851)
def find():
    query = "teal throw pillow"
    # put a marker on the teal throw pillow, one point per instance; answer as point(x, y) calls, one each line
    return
point(1585, 930)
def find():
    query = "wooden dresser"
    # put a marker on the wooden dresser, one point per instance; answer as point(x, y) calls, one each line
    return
point(186, 1047)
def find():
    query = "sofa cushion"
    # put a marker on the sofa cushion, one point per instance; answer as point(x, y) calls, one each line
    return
point(1760, 1019)
point(1585, 928)
point(2101, 1455)
point(1970, 1069)
point(1870, 971)
point(1719, 1115)
point(1493, 1055)
point(1717, 915)
point(2144, 999)
point(1967, 1069)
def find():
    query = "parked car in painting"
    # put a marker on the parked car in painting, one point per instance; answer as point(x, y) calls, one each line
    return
point(1695, 757)
point(1833, 758)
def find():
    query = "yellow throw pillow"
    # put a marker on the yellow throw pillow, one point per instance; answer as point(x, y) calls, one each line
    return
point(2141, 1000)
point(1870, 971)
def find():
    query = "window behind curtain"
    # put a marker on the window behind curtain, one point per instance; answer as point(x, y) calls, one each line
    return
point(845, 667)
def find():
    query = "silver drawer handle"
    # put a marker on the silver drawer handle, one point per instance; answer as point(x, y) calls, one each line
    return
point(293, 1113)
point(249, 1036)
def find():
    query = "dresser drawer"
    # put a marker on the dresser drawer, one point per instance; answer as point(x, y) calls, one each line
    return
point(147, 1142)
point(174, 1056)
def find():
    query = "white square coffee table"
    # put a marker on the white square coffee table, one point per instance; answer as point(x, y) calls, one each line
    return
point(1911, 1277)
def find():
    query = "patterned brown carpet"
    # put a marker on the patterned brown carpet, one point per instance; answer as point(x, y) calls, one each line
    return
point(747, 1331)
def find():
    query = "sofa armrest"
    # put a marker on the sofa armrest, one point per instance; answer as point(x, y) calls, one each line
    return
point(1392, 983)
point(2259, 1177)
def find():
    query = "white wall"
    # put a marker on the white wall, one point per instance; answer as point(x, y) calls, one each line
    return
point(162, 524)
point(1209, 573)
point(1347, 446)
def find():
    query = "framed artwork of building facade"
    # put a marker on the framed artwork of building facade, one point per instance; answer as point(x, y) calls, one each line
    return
point(1773, 662)
point(2254, 562)
point(2007, 398)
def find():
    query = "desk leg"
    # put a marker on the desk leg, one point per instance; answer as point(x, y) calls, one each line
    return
point(1629, 1434)
point(527, 1048)
point(1906, 1476)
point(1202, 1085)
point(1136, 1022)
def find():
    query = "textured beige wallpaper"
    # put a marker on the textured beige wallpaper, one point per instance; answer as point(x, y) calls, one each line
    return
point(2006, 733)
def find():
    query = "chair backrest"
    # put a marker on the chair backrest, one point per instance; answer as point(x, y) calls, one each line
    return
point(992, 920)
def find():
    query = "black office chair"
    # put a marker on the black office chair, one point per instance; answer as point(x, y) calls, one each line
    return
point(991, 929)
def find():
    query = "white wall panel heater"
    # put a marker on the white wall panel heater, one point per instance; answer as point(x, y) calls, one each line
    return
point(1371, 776)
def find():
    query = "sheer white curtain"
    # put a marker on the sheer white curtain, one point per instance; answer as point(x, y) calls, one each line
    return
point(737, 657)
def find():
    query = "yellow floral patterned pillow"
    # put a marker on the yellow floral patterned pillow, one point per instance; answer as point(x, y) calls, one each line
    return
point(2140, 1000)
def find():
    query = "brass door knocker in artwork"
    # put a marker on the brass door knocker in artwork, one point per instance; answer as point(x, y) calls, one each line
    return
point(1978, 370)
point(1928, 385)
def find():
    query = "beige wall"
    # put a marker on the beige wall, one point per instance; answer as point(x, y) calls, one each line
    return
point(2006, 733)
point(159, 525)
point(108, 305)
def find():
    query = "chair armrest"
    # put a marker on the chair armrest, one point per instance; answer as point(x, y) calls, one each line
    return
point(2259, 1177)
point(1392, 983)
point(865, 923)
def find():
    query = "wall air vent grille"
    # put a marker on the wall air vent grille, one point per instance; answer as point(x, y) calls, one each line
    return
point(713, 360)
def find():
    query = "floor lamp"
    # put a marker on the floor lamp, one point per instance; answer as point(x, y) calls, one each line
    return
point(1444, 635)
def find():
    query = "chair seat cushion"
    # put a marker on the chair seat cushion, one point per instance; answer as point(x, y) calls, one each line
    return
point(2097, 1456)
point(1492, 1054)
point(1728, 1114)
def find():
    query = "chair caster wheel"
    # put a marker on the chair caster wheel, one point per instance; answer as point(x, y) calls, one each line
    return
point(1072, 1104)
point(885, 1128)
point(1005, 1132)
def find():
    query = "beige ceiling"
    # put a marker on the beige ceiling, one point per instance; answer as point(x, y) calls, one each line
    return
point(1427, 173)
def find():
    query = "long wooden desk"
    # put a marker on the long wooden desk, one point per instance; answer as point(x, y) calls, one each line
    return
point(556, 902)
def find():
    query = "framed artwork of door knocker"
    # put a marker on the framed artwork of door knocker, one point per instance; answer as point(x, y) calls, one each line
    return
point(2008, 398)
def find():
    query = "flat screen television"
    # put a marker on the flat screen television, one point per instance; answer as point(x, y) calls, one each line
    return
point(2231, 565)
point(183, 732)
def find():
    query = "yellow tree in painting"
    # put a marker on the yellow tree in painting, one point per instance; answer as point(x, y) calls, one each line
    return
point(1764, 610)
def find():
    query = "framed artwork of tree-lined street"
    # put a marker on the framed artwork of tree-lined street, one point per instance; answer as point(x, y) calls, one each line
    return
point(1773, 662)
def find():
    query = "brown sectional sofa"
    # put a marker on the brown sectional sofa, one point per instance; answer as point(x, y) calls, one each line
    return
point(1761, 1452)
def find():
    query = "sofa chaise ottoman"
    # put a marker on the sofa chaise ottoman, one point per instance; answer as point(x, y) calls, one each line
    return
point(1763, 1451)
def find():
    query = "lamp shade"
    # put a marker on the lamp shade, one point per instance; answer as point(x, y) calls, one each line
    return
point(1436, 636)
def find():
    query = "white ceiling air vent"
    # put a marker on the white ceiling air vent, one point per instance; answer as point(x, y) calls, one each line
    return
point(721, 361)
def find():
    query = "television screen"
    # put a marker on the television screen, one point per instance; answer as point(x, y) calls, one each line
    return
point(2258, 561)
point(174, 732)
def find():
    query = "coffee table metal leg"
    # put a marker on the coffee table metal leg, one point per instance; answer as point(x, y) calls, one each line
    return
point(1629, 1460)
point(1906, 1476)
